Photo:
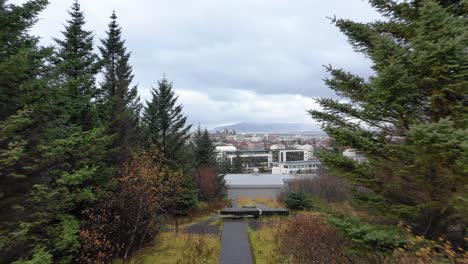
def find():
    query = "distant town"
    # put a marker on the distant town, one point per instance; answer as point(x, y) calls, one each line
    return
point(276, 153)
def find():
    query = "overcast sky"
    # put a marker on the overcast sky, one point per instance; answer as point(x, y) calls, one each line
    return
point(230, 60)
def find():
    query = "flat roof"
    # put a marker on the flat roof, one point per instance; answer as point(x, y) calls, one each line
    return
point(254, 180)
point(299, 162)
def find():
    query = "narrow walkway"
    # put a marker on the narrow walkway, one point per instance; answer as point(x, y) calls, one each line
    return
point(235, 244)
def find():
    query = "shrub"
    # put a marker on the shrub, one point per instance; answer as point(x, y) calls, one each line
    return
point(128, 218)
point(373, 236)
point(210, 184)
point(298, 200)
point(326, 187)
point(308, 239)
point(419, 250)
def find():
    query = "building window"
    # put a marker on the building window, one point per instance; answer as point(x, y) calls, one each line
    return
point(295, 155)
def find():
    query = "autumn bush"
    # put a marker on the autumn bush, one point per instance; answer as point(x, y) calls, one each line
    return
point(419, 250)
point(325, 187)
point(210, 184)
point(307, 238)
point(130, 216)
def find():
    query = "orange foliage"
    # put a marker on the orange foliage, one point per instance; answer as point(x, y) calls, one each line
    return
point(208, 183)
point(308, 239)
point(127, 218)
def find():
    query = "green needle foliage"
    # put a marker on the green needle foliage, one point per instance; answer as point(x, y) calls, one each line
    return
point(165, 125)
point(118, 100)
point(410, 118)
point(167, 132)
point(298, 200)
point(237, 164)
point(23, 120)
point(203, 149)
point(77, 66)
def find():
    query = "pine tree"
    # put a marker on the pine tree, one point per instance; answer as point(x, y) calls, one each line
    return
point(73, 150)
point(166, 126)
point(224, 166)
point(119, 102)
point(203, 149)
point(167, 133)
point(237, 164)
point(77, 66)
point(409, 119)
point(210, 183)
point(23, 119)
point(298, 200)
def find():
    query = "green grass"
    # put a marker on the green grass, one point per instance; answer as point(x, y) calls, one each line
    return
point(182, 248)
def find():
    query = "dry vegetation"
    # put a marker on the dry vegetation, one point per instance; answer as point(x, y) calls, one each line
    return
point(339, 231)
point(306, 238)
point(245, 201)
point(273, 203)
point(182, 248)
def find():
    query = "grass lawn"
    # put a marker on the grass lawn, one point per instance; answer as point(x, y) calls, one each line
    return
point(182, 248)
point(264, 245)
point(246, 201)
point(272, 203)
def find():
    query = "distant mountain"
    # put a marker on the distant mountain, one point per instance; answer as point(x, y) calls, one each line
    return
point(282, 128)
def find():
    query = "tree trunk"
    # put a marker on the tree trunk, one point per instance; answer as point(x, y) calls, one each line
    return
point(134, 232)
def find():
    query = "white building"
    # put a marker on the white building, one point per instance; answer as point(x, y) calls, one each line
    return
point(308, 148)
point(277, 146)
point(222, 150)
point(252, 158)
point(355, 155)
point(287, 167)
point(284, 155)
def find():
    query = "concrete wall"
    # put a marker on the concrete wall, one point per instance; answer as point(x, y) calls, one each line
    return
point(267, 192)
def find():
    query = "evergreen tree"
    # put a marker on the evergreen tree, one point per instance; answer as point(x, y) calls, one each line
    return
point(203, 149)
point(77, 66)
point(23, 119)
point(237, 163)
point(298, 200)
point(73, 149)
point(119, 102)
point(409, 119)
point(167, 133)
point(165, 126)
point(210, 183)
point(224, 166)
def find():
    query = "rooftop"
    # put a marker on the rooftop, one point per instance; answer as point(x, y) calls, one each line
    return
point(299, 162)
point(259, 180)
point(265, 180)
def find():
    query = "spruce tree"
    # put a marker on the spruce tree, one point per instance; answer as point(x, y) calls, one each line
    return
point(165, 126)
point(119, 101)
point(77, 66)
point(237, 163)
point(167, 133)
point(203, 149)
point(23, 119)
point(207, 169)
point(410, 118)
point(74, 149)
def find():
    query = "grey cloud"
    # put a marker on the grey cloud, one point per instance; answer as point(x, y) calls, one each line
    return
point(221, 48)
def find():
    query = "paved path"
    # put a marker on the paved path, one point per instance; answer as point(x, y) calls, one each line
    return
point(235, 244)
